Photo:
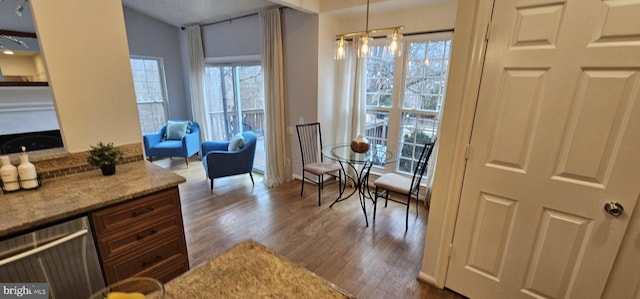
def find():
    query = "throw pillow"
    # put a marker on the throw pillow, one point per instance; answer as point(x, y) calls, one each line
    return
point(236, 143)
point(176, 129)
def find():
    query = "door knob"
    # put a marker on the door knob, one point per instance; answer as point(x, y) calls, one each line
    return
point(613, 208)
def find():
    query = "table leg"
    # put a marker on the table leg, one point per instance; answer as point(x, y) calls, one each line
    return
point(354, 180)
point(361, 182)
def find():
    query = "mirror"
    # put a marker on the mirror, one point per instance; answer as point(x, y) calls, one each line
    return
point(17, 33)
point(27, 112)
point(20, 60)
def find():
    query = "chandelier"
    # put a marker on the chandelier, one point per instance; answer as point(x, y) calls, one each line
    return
point(393, 45)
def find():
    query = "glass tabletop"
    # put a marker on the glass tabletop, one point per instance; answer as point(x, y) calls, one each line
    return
point(377, 154)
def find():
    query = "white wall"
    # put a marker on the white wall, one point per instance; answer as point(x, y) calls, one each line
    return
point(87, 59)
point(239, 37)
point(327, 26)
point(150, 37)
point(300, 39)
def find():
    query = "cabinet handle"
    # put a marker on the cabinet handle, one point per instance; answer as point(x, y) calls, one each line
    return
point(151, 232)
point(138, 213)
point(152, 261)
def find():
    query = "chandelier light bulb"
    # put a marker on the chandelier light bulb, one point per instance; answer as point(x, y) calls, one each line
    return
point(394, 43)
point(340, 51)
point(364, 48)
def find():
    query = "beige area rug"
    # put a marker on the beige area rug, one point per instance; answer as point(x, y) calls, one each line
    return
point(251, 270)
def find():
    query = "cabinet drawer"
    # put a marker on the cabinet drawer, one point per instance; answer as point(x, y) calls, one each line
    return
point(172, 268)
point(147, 208)
point(161, 254)
point(132, 240)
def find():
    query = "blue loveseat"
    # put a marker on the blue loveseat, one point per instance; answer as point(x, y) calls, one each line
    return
point(172, 143)
point(219, 161)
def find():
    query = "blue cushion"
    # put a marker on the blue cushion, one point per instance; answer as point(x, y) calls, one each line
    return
point(236, 143)
point(176, 129)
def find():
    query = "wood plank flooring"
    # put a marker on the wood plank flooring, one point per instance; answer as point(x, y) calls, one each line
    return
point(381, 261)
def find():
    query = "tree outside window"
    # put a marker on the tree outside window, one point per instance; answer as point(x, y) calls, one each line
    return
point(407, 116)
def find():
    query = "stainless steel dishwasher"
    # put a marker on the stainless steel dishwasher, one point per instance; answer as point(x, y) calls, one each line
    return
point(62, 255)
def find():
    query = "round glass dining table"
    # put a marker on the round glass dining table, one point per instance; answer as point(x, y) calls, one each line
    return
point(358, 168)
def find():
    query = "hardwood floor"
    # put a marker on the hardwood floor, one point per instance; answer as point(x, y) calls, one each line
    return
point(381, 261)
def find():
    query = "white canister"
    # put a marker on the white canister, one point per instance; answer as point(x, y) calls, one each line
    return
point(27, 173)
point(9, 174)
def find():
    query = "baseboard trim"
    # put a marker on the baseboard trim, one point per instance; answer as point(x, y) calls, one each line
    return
point(426, 278)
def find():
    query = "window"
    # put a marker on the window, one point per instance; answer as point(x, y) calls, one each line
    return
point(408, 116)
point(149, 84)
point(235, 102)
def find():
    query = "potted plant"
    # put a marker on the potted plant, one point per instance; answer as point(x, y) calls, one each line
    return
point(104, 156)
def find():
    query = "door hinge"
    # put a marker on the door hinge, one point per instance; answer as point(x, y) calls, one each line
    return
point(467, 152)
point(488, 33)
point(450, 250)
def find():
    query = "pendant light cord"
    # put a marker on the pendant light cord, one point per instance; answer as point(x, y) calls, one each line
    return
point(366, 26)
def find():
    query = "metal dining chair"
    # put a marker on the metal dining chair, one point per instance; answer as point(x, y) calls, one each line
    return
point(310, 138)
point(393, 182)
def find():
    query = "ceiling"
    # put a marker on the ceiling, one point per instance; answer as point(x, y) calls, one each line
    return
point(187, 12)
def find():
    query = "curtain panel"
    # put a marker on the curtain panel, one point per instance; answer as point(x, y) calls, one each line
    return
point(196, 76)
point(277, 170)
point(350, 109)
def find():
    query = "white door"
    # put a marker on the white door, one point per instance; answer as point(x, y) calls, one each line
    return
point(556, 136)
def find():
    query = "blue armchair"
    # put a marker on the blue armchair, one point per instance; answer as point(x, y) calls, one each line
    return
point(160, 145)
point(218, 161)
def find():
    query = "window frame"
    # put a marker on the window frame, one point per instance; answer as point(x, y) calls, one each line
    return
point(163, 85)
point(397, 109)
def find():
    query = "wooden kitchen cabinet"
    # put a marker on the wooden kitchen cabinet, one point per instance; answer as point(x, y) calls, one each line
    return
point(142, 237)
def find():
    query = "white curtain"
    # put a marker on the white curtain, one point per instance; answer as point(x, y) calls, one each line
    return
point(276, 141)
point(196, 79)
point(350, 95)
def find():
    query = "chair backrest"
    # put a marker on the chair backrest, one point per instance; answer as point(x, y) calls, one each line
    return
point(423, 161)
point(250, 140)
point(310, 139)
point(195, 127)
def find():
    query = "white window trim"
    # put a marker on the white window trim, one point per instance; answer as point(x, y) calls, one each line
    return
point(163, 79)
point(397, 109)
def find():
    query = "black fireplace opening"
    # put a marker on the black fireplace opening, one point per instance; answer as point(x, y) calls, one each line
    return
point(33, 141)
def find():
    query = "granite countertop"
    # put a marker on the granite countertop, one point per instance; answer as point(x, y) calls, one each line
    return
point(74, 195)
point(251, 270)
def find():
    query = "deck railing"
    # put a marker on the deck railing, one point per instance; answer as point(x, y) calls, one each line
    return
point(252, 120)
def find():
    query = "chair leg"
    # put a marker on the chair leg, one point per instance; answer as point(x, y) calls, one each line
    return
point(406, 220)
point(211, 185)
point(150, 159)
point(251, 176)
point(417, 201)
point(186, 160)
point(320, 184)
point(386, 198)
point(340, 183)
point(302, 188)
point(375, 202)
